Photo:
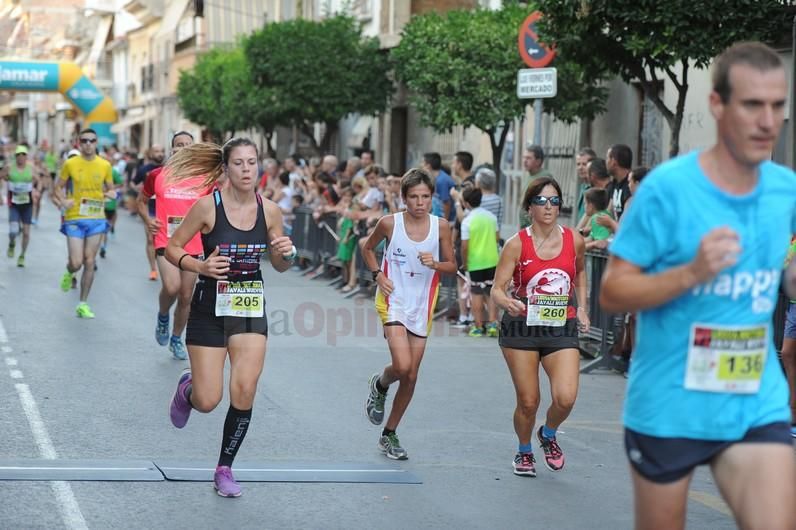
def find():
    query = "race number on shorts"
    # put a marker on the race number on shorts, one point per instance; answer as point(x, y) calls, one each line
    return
point(20, 192)
point(239, 299)
point(173, 222)
point(547, 310)
point(726, 358)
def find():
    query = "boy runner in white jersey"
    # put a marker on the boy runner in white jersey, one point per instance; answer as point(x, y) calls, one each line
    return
point(699, 256)
point(408, 283)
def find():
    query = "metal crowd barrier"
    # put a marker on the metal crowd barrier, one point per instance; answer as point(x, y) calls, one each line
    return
point(607, 329)
point(316, 242)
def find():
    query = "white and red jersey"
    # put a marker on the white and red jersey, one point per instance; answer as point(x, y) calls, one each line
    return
point(556, 276)
point(416, 286)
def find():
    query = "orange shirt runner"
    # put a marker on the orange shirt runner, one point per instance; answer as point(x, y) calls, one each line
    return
point(172, 202)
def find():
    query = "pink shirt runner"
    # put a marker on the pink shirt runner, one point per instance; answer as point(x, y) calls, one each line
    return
point(172, 202)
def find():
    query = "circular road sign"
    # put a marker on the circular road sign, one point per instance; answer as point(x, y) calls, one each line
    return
point(533, 53)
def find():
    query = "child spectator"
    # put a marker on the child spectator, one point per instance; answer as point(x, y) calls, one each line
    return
point(480, 235)
point(348, 238)
point(597, 206)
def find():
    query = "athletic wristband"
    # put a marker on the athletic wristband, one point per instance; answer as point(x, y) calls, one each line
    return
point(292, 255)
point(179, 263)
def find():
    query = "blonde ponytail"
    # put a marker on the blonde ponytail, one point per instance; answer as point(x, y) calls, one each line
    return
point(197, 160)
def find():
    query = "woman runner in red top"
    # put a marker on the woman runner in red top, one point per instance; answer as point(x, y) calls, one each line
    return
point(545, 263)
point(173, 199)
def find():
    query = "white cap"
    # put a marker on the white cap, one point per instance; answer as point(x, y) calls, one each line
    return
point(72, 152)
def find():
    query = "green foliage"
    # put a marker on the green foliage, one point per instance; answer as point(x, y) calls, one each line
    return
point(321, 71)
point(214, 93)
point(621, 34)
point(219, 94)
point(461, 69)
point(643, 40)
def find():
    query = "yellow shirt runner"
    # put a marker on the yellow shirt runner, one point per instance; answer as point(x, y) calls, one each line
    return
point(86, 178)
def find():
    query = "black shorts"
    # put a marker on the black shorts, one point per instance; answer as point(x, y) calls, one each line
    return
point(396, 323)
point(206, 329)
point(665, 460)
point(20, 213)
point(109, 214)
point(482, 276)
point(516, 334)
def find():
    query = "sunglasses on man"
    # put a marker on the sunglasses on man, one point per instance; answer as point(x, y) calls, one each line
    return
point(88, 140)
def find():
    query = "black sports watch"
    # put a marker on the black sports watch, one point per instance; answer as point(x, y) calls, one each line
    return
point(375, 274)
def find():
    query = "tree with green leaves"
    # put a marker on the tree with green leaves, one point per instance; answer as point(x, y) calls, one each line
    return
point(200, 91)
point(647, 41)
point(320, 72)
point(218, 94)
point(461, 69)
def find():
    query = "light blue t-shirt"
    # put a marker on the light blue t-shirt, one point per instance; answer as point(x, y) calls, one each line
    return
point(675, 207)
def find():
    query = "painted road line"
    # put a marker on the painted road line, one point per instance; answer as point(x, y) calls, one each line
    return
point(70, 511)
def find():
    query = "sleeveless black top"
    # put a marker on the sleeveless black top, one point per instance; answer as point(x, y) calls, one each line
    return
point(245, 248)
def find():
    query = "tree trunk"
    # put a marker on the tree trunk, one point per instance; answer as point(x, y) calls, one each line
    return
point(269, 148)
point(677, 122)
point(497, 150)
point(326, 141)
point(307, 131)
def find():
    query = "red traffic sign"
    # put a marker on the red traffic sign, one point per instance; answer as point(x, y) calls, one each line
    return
point(533, 53)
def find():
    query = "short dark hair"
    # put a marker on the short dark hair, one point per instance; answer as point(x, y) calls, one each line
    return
point(638, 173)
point(587, 151)
point(622, 154)
point(472, 196)
point(598, 169)
point(284, 178)
point(537, 151)
point(298, 198)
point(87, 131)
point(535, 188)
point(296, 158)
point(369, 151)
point(414, 177)
point(754, 54)
point(433, 160)
point(597, 197)
point(180, 133)
point(465, 158)
point(374, 168)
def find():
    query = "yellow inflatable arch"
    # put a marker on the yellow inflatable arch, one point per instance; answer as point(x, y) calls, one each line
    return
point(68, 79)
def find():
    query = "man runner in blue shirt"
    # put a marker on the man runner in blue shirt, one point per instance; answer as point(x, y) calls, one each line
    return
point(699, 255)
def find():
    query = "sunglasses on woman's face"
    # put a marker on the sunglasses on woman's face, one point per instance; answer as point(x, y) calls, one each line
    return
point(541, 200)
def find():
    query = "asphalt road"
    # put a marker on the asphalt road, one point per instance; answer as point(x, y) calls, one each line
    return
point(99, 389)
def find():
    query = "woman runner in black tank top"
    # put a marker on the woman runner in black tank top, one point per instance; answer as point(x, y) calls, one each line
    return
point(244, 249)
point(228, 309)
